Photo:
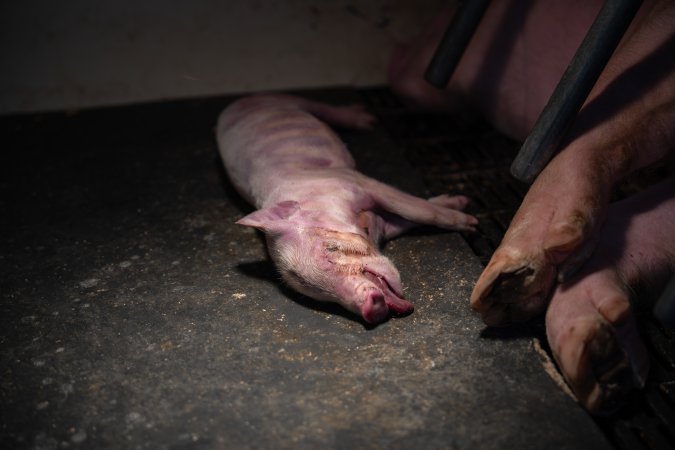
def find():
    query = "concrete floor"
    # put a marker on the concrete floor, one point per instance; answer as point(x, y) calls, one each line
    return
point(135, 314)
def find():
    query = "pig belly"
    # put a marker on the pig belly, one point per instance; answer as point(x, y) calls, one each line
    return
point(509, 68)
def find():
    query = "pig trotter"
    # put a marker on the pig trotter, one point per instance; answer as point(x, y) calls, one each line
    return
point(509, 291)
point(600, 355)
point(589, 322)
point(604, 372)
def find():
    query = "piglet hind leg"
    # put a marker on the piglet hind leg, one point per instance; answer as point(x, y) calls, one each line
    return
point(443, 211)
point(388, 225)
point(589, 322)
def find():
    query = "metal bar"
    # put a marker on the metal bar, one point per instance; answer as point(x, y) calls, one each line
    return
point(573, 89)
point(664, 310)
point(454, 42)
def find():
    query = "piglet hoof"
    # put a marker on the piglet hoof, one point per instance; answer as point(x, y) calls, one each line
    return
point(512, 288)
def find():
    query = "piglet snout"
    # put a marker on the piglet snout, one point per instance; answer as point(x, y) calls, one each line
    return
point(374, 309)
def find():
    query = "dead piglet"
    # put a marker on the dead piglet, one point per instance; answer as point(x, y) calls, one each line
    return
point(323, 220)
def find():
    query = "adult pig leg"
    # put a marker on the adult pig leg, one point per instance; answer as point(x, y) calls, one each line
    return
point(589, 323)
point(627, 123)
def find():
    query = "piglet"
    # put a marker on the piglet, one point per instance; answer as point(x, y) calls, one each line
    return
point(323, 220)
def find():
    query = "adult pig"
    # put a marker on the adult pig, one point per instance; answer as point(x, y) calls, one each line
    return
point(322, 219)
point(567, 252)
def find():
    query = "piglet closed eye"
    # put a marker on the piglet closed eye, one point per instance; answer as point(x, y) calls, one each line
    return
point(323, 220)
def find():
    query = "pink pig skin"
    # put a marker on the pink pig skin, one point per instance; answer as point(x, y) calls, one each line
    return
point(323, 220)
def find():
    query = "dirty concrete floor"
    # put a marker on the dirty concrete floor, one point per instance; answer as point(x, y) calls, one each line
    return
point(135, 314)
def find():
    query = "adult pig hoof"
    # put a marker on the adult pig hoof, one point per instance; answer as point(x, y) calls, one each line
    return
point(597, 367)
point(503, 296)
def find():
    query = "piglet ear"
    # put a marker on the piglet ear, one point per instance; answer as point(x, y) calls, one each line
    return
point(272, 218)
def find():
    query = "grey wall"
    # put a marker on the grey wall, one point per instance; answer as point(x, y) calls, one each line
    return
point(82, 53)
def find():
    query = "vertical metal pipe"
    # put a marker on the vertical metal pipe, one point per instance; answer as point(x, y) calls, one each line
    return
point(664, 310)
point(454, 42)
point(573, 89)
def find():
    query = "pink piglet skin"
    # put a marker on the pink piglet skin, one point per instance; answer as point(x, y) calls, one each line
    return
point(323, 220)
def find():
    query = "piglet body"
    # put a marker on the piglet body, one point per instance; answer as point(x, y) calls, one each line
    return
point(322, 219)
